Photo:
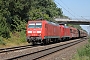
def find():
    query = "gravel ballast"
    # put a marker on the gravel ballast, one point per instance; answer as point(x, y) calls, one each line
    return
point(65, 54)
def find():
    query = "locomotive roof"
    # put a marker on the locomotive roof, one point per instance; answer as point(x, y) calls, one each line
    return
point(66, 26)
point(46, 21)
point(53, 23)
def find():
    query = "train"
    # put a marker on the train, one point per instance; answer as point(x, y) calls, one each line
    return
point(44, 32)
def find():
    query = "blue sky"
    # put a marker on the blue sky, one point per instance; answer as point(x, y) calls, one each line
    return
point(79, 9)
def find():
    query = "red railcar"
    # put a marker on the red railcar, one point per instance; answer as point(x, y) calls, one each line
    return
point(67, 33)
point(64, 32)
point(42, 31)
point(61, 31)
point(74, 32)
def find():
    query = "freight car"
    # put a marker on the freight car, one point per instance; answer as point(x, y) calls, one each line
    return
point(82, 33)
point(74, 32)
point(44, 32)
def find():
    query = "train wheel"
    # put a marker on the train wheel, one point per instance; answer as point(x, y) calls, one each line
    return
point(33, 43)
point(28, 41)
point(54, 40)
point(48, 41)
point(45, 41)
point(62, 39)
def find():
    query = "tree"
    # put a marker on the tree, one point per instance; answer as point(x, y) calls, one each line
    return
point(15, 13)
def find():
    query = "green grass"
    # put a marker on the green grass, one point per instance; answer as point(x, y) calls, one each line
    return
point(16, 39)
point(83, 53)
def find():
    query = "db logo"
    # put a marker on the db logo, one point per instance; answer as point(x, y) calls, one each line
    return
point(34, 31)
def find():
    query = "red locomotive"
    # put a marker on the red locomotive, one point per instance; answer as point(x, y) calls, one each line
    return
point(44, 32)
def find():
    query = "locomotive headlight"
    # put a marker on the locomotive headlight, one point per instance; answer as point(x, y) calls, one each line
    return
point(38, 31)
point(29, 31)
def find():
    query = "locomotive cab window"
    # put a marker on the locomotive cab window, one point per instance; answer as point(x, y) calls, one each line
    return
point(35, 25)
point(38, 25)
point(31, 25)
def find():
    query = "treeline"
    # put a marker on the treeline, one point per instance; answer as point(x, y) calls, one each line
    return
point(15, 13)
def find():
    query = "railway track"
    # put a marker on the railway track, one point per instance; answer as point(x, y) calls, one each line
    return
point(43, 52)
point(3, 50)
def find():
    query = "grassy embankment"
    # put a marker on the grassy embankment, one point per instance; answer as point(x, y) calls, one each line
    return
point(83, 53)
point(16, 39)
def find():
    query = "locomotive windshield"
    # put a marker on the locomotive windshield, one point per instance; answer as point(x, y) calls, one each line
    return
point(38, 25)
point(31, 25)
point(35, 25)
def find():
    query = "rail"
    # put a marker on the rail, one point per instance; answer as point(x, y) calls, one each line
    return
point(44, 52)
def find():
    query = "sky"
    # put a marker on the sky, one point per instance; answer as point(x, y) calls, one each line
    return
point(76, 9)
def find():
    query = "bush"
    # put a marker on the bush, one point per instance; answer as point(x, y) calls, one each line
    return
point(83, 53)
point(4, 29)
point(22, 36)
point(89, 40)
point(2, 41)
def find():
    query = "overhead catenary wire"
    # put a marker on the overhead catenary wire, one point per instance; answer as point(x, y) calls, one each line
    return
point(72, 11)
point(65, 9)
point(69, 9)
